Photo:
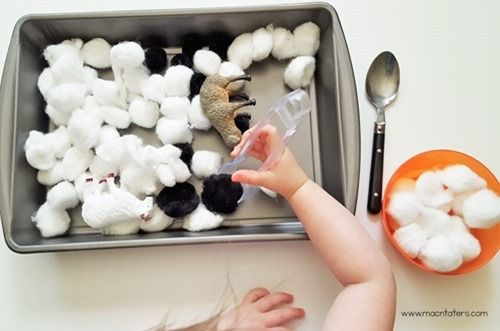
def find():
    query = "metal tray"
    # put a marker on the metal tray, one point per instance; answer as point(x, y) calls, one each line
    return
point(326, 146)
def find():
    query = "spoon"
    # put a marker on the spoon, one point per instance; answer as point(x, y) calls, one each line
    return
point(382, 83)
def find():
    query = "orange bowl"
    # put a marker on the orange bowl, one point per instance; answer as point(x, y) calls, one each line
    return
point(434, 160)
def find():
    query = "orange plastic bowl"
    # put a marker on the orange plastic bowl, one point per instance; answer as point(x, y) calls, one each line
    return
point(435, 160)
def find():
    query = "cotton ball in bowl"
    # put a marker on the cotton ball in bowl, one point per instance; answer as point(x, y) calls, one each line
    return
point(107, 93)
point(51, 176)
point(144, 113)
point(197, 118)
point(68, 69)
point(67, 97)
point(173, 131)
point(262, 40)
point(84, 129)
point(440, 254)
point(240, 52)
point(56, 116)
point(117, 117)
point(202, 219)
point(45, 82)
point(404, 207)
point(179, 200)
point(482, 209)
point(179, 170)
point(70, 46)
point(220, 194)
point(306, 39)
point(154, 88)
point(122, 228)
point(62, 196)
point(159, 221)
point(127, 54)
point(175, 108)
point(457, 203)
point(134, 78)
point(468, 246)
point(230, 69)
point(177, 80)
point(138, 180)
point(460, 178)
point(299, 72)
point(206, 62)
point(433, 221)
point(108, 133)
point(96, 53)
point(51, 222)
point(75, 162)
point(205, 163)
point(61, 141)
point(100, 168)
point(39, 150)
point(431, 192)
point(283, 44)
point(411, 238)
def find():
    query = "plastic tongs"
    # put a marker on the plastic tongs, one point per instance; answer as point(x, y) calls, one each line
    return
point(290, 110)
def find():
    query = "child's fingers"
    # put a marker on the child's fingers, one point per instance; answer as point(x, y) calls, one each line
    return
point(246, 177)
point(281, 316)
point(255, 295)
point(272, 300)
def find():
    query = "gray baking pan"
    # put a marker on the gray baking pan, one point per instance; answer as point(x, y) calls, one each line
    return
point(327, 144)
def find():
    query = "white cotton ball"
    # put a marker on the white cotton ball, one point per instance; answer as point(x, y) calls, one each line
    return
point(457, 203)
point(404, 207)
point(433, 221)
point(175, 108)
point(67, 97)
point(240, 52)
point(53, 52)
point(177, 80)
point(45, 82)
point(431, 192)
point(137, 179)
point(457, 224)
point(165, 175)
point(131, 97)
point(90, 103)
point(230, 69)
point(205, 163)
point(57, 116)
point(411, 238)
point(144, 113)
point(206, 62)
point(68, 69)
point(61, 141)
point(268, 192)
point(51, 176)
point(168, 152)
point(84, 129)
point(154, 88)
point(90, 76)
point(482, 209)
point(134, 78)
point(460, 178)
point(202, 219)
point(440, 254)
point(306, 39)
point(100, 168)
point(122, 228)
point(39, 151)
point(113, 151)
point(75, 162)
point(107, 93)
point(34, 137)
point(283, 44)
point(148, 156)
point(108, 133)
point(299, 72)
point(116, 117)
point(62, 196)
point(96, 53)
point(197, 118)
point(80, 182)
point(262, 40)
point(173, 131)
point(159, 221)
point(468, 246)
point(133, 144)
point(51, 222)
point(127, 55)
point(179, 169)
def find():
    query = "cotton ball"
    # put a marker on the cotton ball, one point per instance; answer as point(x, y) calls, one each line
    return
point(230, 69)
point(179, 200)
point(100, 168)
point(75, 162)
point(90, 75)
point(107, 93)
point(306, 39)
point(460, 178)
point(127, 54)
point(61, 141)
point(179, 169)
point(62, 196)
point(186, 153)
point(268, 192)
point(39, 151)
point(220, 194)
point(137, 179)
point(181, 59)
point(175, 108)
point(242, 121)
point(165, 175)
point(134, 78)
point(67, 97)
point(468, 246)
point(262, 40)
point(84, 129)
point(159, 221)
point(45, 82)
point(202, 219)
point(404, 207)
point(205, 163)
point(144, 113)
point(53, 52)
point(206, 62)
point(80, 183)
point(440, 254)
point(411, 239)
point(156, 59)
point(197, 118)
point(34, 137)
point(122, 228)
point(240, 52)
point(68, 69)
point(218, 42)
point(173, 131)
point(482, 209)
point(177, 79)
point(283, 44)
point(96, 53)
point(168, 152)
point(191, 43)
point(116, 117)
point(154, 88)
point(108, 133)
point(433, 221)
point(51, 222)
point(299, 72)
point(149, 156)
point(431, 192)
point(457, 224)
point(457, 203)
point(51, 176)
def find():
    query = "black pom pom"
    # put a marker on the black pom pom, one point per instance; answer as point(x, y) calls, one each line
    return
point(242, 121)
point(179, 200)
point(191, 43)
point(181, 59)
point(219, 42)
point(156, 60)
point(197, 80)
point(220, 194)
point(187, 153)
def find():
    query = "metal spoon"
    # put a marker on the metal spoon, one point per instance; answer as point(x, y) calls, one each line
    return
point(382, 83)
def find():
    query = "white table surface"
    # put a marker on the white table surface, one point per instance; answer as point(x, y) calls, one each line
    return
point(449, 54)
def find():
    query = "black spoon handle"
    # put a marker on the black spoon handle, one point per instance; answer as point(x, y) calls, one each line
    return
point(376, 170)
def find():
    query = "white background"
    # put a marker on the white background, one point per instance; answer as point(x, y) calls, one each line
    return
point(449, 55)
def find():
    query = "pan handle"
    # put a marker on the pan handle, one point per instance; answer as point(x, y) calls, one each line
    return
point(376, 170)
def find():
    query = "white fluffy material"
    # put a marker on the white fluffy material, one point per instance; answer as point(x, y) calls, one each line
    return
point(61, 141)
point(175, 108)
point(127, 55)
point(482, 209)
point(268, 192)
point(197, 118)
point(240, 52)
point(262, 40)
point(75, 162)
point(144, 113)
point(168, 152)
point(57, 116)
point(299, 72)
point(134, 78)
point(230, 69)
point(108, 133)
point(468, 246)
point(62, 196)
point(177, 80)
point(96, 53)
point(173, 131)
point(107, 93)
point(404, 207)
point(440, 254)
point(68, 69)
point(154, 88)
point(460, 178)
point(51, 222)
point(39, 151)
point(122, 228)
point(179, 169)
point(431, 192)
point(433, 222)
point(114, 151)
point(283, 44)
point(70, 46)
point(202, 219)
point(457, 203)
point(205, 163)
point(80, 184)
point(206, 62)
point(67, 97)
point(137, 179)
point(148, 156)
point(411, 238)
point(306, 39)
point(51, 176)
point(158, 222)
point(90, 75)
point(45, 82)
point(165, 175)
point(100, 168)
point(84, 129)
point(117, 117)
